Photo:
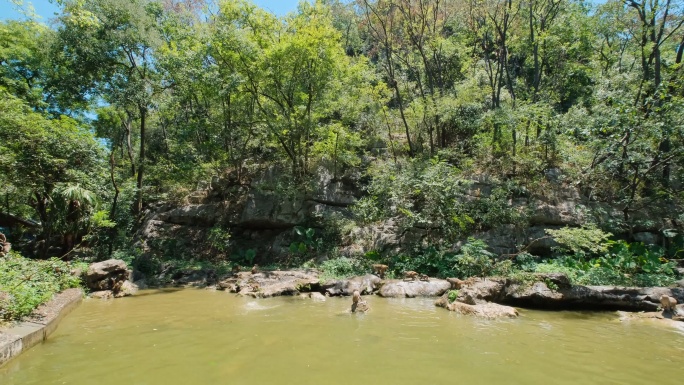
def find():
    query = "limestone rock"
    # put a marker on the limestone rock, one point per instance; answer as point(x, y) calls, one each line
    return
point(278, 289)
point(480, 290)
point(192, 215)
point(554, 291)
point(485, 310)
point(381, 237)
point(659, 315)
point(411, 289)
point(334, 191)
point(193, 277)
point(102, 294)
point(647, 238)
point(271, 283)
point(365, 284)
point(77, 273)
point(229, 284)
point(315, 296)
point(561, 296)
point(109, 279)
point(107, 275)
point(560, 213)
point(128, 288)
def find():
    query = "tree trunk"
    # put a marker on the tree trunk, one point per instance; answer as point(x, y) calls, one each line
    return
point(129, 148)
point(141, 166)
point(112, 212)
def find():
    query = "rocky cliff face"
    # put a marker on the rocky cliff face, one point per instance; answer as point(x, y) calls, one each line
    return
point(259, 215)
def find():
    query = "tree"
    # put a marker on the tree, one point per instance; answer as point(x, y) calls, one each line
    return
point(113, 56)
point(291, 70)
point(383, 25)
point(47, 159)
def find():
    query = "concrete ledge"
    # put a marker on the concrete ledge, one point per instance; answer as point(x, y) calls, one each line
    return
point(39, 325)
point(10, 346)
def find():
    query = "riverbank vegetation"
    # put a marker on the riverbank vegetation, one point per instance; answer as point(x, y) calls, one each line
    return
point(26, 283)
point(610, 263)
point(118, 108)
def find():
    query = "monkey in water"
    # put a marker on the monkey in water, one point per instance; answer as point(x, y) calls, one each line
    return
point(255, 269)
point(668, 303)
point(356, 297)
point(358, 304)
point(455, 283)
point(424, 277)
point(380, 270)
point(410, 274)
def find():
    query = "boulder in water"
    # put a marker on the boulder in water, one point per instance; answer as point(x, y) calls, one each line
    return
point(488, 310)
point(110, 275)
point(102, 294)
point(411, 289)
point(364, 284)
point(271, 283)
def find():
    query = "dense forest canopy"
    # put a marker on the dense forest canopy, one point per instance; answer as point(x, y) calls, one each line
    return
point(119, 104)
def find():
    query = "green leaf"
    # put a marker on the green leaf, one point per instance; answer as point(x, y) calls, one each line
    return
point(310, 233)
point(294, 247)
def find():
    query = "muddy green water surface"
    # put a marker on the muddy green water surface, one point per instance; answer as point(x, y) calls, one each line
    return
point(203, 337)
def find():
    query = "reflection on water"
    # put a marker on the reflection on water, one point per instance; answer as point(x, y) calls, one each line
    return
point(204, 337)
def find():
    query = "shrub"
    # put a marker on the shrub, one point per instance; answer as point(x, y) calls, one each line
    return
point(556, 267)
point(624, 264)
point(581, 241)
point(432, 194)
point(343, 267)
point(475, 260)
point(219, 238)
point(431, 261)
point(526, 261)
point(593, 259)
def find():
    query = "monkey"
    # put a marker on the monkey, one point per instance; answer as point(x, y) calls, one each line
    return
point(255, 269)
point(380, 270)
point(236, 269)
point(424, 277)
point(455, 283)
point(211, 276)
point(410, 274)
point(358, 304)
point(668, 303)
point(356, 297)
point(117, 285)
point(3, 239)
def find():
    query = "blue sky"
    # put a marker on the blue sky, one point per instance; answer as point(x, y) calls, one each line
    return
point(46, 9)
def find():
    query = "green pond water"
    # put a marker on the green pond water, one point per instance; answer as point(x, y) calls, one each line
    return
point(204, 337)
